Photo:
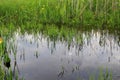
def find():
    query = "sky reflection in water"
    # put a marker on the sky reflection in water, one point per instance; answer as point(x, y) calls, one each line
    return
point(39, 58)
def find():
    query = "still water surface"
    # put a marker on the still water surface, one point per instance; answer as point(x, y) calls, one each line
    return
point(40, 58)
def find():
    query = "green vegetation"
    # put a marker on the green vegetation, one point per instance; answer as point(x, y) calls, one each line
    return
point(1, 73)
point(102, 75)
point(105, 76)
point(4, 59)
point(1, 69)
point(73, 12)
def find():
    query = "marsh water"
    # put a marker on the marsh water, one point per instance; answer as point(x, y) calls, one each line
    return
point(39, 57)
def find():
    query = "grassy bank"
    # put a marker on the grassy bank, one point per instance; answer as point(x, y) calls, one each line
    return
point(82, 12)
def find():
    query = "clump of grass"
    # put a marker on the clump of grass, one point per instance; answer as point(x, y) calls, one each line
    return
point(103, 75)
point(5, 70)
point(1, 73)
point(82, 12)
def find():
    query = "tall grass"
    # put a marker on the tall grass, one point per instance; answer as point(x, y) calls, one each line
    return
point(83, 12)
point(5, 70)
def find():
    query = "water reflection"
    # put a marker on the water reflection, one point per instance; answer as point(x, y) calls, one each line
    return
point(39, 57)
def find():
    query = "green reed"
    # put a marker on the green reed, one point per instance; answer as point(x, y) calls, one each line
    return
point(102, 75)
point(5, 71)
point(82, 12)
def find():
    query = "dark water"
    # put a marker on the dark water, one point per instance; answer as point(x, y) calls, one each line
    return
point(39, 58)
